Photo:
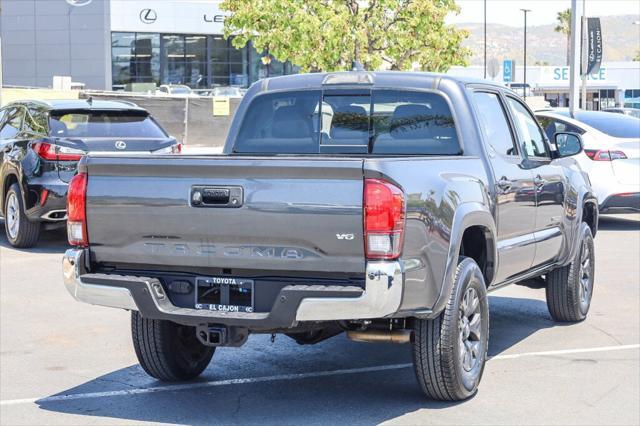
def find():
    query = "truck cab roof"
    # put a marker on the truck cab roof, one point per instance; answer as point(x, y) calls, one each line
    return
point(374, 79)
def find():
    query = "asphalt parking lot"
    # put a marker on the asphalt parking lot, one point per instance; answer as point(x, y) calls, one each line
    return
point(63, 362)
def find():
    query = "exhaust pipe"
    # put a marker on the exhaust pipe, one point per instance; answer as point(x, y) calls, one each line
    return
point(380, 336)
point(55, 215)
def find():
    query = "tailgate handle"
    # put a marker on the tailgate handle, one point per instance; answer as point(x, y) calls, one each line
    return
point(216, 196)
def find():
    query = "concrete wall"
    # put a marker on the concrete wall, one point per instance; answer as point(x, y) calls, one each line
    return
point(11, 94)
point(43, 38)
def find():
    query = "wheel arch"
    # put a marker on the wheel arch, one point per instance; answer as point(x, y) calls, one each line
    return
point(470, 220)
point(7, 180)
point(590, 213)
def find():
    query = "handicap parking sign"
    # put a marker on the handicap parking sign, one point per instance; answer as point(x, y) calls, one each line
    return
point(507, 70)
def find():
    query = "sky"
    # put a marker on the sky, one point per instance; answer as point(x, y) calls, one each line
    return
point(507, 12)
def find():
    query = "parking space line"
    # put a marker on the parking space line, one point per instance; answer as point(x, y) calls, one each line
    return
point(297, 376)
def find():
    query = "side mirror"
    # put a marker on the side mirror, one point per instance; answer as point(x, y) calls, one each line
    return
point(567, 144)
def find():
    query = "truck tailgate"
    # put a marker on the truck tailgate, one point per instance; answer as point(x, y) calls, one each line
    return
point(294, 214)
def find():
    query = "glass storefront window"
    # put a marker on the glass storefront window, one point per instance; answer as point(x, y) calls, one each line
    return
point(632, 98)
point(198, 61)
point(228, 64)
point(135, 58)
point(147, 58)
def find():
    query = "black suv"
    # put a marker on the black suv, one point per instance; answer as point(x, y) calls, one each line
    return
point(41, 143)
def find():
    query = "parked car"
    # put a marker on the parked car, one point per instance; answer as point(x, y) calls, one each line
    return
point(633, 112)
point(175, 90)
point(230, 91)
point(390, 220)
point(611, 154)
point(41, 143)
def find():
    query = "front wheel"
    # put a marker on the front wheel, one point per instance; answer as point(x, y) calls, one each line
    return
point(168, 351)
point(570, 288)
point(449, 351)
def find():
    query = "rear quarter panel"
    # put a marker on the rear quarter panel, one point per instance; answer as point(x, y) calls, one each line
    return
point(435, 188)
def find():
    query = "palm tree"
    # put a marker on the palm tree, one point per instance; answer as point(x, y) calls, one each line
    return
point(564, 27)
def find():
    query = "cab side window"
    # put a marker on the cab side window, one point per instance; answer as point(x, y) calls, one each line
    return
point(530, 137)
point(494, 124)
point(552, 126)
point(12, 123)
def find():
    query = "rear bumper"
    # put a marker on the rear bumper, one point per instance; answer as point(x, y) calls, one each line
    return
point(381, 297)
point(621, 203)
point(54, 207)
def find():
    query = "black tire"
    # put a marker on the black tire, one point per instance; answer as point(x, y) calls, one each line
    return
point(438, 356)
point(26, 233)
point(570, 288)
point(168, 351)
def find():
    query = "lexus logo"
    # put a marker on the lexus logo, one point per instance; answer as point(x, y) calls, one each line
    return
point(79, 2)
point(121, 144)
point(148, 16)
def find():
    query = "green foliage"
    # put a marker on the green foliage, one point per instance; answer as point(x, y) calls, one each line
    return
point(564, 27)
point(564, 22)
point(327, 35)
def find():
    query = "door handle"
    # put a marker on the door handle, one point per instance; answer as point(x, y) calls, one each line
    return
point(539, 181)
point(504, 184)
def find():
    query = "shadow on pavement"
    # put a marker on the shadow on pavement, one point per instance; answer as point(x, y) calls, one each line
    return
point(617, 223)
point(370, 397)
point(51, 241)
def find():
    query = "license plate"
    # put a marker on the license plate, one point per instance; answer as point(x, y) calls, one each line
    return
point(224, 294)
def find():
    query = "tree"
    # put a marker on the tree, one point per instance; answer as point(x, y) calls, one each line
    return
point(564, 27)
point(328, 35)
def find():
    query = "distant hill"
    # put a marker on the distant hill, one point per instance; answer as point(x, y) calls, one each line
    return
point(545, 45)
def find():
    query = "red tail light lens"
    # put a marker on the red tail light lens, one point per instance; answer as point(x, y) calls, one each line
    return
point(176, 149)
point(77, 211)
point(47, 151)
point(604, 155)
point(384, 219)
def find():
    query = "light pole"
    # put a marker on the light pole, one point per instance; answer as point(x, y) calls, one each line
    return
point(524, 87)
point(485, 39)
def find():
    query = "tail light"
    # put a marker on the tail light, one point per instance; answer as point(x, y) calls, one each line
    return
point(48, 151)
point(384, 219)
point(173, 149)
point(77, 211)
point(604, 155)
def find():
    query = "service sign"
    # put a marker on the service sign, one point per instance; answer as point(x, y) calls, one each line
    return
point(167, 16)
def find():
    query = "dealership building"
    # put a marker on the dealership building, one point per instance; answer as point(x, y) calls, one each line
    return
point(614, 84)
point(118, 44)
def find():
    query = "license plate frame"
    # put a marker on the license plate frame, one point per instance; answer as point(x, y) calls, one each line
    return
point(225, 294)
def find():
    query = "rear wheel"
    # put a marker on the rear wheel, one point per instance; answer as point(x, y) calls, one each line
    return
point(449, 351)
point(570, 288)
point(21, 232)
point(168, 351)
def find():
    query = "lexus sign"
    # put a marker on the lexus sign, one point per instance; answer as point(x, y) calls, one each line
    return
point(148, 16)
point(78, 2)
point(167, 16)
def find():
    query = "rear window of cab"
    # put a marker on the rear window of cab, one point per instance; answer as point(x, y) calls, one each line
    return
point(385, 122)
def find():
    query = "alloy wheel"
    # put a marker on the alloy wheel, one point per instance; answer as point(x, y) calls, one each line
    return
point(586, 275)
point(13, 216)
point(470, 330)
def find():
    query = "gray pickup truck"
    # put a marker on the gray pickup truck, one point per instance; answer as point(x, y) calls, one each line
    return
point(384, 205)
